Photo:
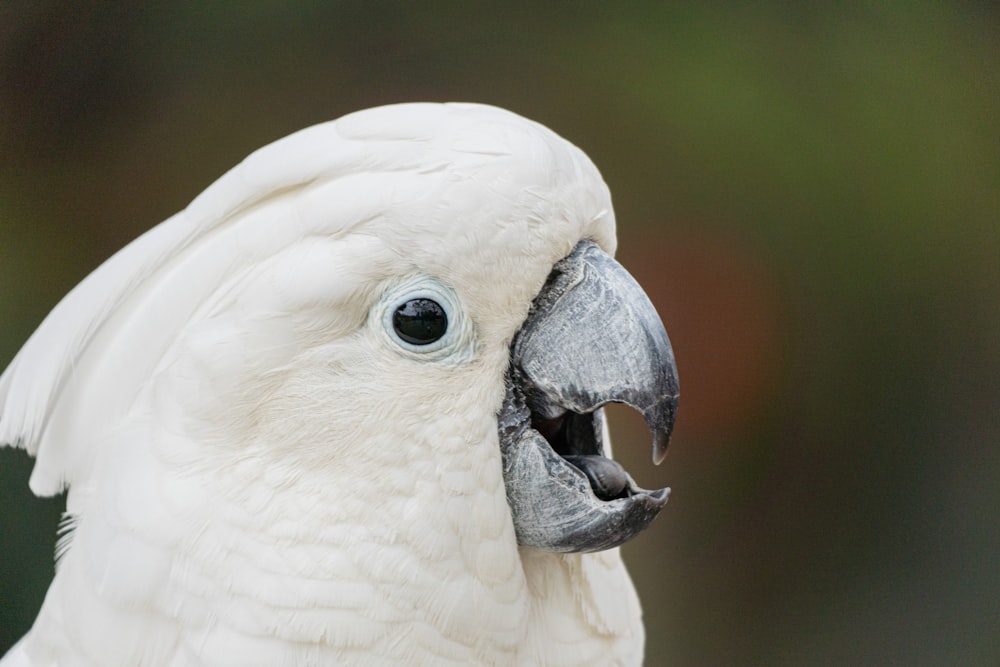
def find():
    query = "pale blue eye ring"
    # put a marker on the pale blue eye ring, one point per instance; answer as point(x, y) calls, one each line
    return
point(425, 318)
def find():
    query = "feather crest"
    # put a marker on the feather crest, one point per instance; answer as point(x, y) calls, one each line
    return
point(129, 307)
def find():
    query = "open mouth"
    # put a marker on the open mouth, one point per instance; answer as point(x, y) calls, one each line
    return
point(591, 338)
point(579, 440)
point(565, 494)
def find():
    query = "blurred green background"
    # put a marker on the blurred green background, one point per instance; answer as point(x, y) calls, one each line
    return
point(810, 192)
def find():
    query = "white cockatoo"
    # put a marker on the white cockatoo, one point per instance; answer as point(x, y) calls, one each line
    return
point(345, 409)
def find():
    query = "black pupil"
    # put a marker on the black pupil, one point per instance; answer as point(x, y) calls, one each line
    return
point(420, 321)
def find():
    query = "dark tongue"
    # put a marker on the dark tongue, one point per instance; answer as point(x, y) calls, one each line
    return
point(607, 478)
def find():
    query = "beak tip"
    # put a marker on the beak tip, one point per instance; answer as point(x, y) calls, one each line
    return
point(660, 420)
point(659, 448)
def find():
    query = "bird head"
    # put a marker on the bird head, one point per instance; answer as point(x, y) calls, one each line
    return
point(411, 295)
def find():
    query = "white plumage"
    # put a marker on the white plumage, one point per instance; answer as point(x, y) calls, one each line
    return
point(258, 473)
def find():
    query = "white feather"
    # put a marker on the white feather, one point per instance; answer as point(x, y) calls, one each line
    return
point(257, 474)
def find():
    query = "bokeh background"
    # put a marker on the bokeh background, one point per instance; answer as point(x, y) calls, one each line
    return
point(810, 192)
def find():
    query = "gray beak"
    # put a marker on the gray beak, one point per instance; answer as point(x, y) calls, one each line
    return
point(592, 337)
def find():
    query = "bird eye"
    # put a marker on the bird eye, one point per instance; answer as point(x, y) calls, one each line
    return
point(420, 321)
point(425, 321)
